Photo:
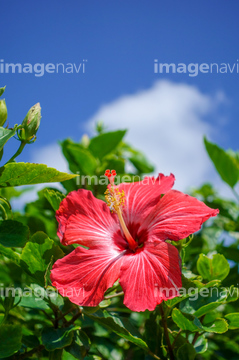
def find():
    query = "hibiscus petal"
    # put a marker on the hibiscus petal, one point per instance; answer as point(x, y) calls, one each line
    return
point(176, 216)
point(84, 275)
point(141, 196)
point(150, 275)
point(85, 220)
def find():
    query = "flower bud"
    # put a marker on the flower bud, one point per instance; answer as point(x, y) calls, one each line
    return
point(3, 112)
point(31, 123)
point(100, 127)
point(85, 140)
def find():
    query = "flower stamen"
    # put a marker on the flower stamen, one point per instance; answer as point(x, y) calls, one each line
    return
point(116, 200)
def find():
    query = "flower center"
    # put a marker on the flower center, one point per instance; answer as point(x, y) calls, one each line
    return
point(115, 200)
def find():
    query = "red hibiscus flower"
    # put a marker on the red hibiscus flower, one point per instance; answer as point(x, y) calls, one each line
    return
point(126, 240)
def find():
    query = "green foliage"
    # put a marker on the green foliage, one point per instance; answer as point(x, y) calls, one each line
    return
point(218, 326)
point(16, 174)
point(226, 163)
point(121, 326)
point(212, 269)
point(11, 336)
point(104, 144)
point(79, 158)
point(186, 352)
point(184, 321)
point(5, 135)
point(233, 320)
point(54, 197)
point(79, 346)
point(204, 302)
point(91, 157)
point(3, 112)
point(2, 89)
point(13, 233)
point(38, 253)
point(56, 338)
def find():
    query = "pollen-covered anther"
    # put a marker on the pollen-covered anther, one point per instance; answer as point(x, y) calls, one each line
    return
point(115, 199)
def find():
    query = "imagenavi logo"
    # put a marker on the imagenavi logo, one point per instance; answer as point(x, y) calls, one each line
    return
point(40, 69)
point(194, 69)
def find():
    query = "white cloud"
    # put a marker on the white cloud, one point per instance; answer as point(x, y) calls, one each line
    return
point(167, 122)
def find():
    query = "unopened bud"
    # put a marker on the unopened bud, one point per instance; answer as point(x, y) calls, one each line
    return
point(85, 140)
point(3, 112)
point(100, 127)
point(31, 123)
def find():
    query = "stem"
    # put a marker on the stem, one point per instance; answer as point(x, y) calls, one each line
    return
point(114, 295)
point(18, 152)
point(55, 321)
point(195, 338)
point(4, 212)
point(174, 341)
point(66, 313)
point(197, 333)
point(153, 355)
point(74, 318)
point(48, 316)
point(164, 322)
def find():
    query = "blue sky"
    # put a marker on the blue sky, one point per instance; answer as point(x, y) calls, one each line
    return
point(120, 40)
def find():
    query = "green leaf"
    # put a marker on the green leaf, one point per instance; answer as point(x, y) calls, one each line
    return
point(186, 352)
point(54, 197)
point(33, 298)
point(216, 268)
point(112, 162)
point(55, 354)
point(218, 326)
point(233, 294)
point(38, 253)
point(177, 339)
point(10, 254)
point(119, 325)
point(213, 283)
point(203, 302)
point(80, 345)
point(13, 233)
point(6, 134)
point(54, 339)
point(73, 166)
point(11, 336)
point(184, 321)
point(104, 144)
point(152, 332)
point(30, 341)
point(2, 89)
point(85, 160)
point(230, 252)
point(226, 165)
point(141, 163)
point(2, 317)
point(233, 320)
point(16, 174)
point(188, 286)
